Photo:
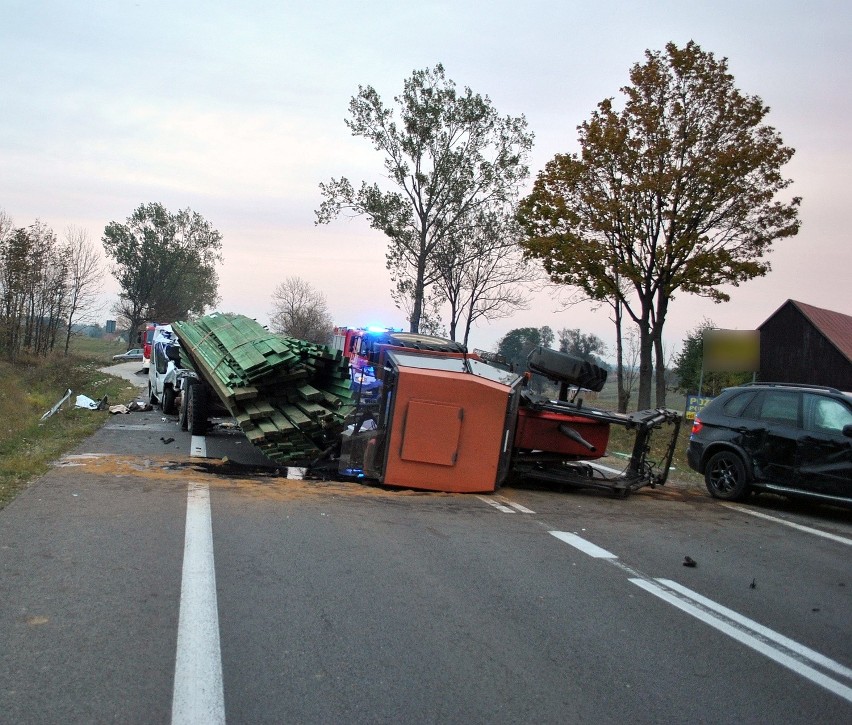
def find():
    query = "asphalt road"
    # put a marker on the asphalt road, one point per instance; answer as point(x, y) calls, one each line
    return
point(141, 585)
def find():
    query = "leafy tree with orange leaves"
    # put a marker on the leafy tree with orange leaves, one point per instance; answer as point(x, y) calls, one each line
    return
point(675, 192)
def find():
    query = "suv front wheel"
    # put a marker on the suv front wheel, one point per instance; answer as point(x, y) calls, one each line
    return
point(726, 477)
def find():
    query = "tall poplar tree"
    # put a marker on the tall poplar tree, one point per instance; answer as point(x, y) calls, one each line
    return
point(448, 155)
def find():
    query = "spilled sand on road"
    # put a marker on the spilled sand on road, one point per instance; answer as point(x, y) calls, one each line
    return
point(271, 483)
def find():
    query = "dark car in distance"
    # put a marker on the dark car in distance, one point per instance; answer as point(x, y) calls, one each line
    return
point(794, 440)
point(134, 354)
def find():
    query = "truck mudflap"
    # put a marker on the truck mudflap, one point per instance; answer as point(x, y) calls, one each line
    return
point(643, 468)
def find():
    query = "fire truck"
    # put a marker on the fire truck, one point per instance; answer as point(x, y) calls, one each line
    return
point(146, 338)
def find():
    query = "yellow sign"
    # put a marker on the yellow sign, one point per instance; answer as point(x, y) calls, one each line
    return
point(694, 404)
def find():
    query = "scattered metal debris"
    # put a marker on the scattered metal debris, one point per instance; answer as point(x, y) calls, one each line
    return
point(57, 406)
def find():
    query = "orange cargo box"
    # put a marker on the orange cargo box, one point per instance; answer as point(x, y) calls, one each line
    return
point(448, 432)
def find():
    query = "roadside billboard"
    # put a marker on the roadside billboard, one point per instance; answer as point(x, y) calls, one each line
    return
point(731, 351)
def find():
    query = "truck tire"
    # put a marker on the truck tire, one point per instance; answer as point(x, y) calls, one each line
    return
point(168, 401)
point(196, 410)
point(183, 416)
point(563, 368)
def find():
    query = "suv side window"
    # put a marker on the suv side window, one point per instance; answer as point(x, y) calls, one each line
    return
point(774, 406)
point(826, 415)
point(735, 406)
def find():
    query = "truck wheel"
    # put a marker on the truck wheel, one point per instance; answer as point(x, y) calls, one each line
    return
point(152, 399)
point(564, 368)
point(168, 401)
point(183, 416)
point(196, 411)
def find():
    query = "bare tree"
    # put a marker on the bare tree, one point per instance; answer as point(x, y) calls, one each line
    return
point(630, 368)
point(482, 272)
point(300, 311)
point(84, 276)
point(6, 224)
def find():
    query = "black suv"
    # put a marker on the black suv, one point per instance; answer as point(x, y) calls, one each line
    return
point(790, 439)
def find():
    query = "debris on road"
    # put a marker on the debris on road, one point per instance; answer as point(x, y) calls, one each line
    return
point(136, 406)
point(85, 402)
point(57, 406)
point(290, 397)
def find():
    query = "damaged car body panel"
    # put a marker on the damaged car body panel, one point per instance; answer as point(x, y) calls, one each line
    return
point(790, 439)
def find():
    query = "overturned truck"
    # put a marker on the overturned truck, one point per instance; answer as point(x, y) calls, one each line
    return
point(411, 411)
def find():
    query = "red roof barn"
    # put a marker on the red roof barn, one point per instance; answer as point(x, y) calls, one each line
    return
point(801, 343)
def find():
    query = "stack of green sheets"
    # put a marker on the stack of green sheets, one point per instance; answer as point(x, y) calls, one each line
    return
point(290, 397)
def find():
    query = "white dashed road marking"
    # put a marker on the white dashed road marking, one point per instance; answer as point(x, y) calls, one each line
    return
point(496, 504)
point(506, 502)
point(587, 547)
point(198, 447)
point(501, 503)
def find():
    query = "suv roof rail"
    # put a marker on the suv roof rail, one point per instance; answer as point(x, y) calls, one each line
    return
point(827, 388)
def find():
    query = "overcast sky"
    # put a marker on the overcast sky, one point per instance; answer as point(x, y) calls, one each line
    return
point(237, 110)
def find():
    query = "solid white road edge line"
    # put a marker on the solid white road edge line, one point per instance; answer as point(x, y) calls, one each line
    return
point(750, 640)
point(775, 519)
point(198, 695)
point(587, 547)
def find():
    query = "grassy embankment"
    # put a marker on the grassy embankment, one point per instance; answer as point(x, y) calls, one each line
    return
point(31, 387)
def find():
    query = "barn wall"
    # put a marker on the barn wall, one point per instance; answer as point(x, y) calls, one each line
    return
point(792, 350)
